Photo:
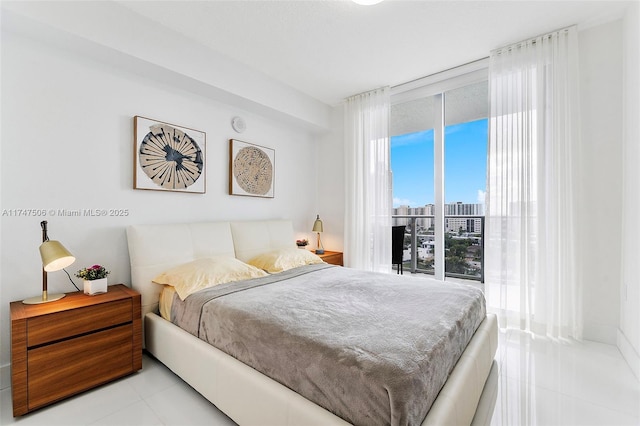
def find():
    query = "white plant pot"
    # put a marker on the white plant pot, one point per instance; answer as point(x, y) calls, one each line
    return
point(95, 286)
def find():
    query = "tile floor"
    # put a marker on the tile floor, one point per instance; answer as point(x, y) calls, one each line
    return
point(535, 381)
point(545, 382)
point(153, 396)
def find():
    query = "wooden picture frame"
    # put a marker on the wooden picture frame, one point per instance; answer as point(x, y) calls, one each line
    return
point(251, 169)
point(168, 157)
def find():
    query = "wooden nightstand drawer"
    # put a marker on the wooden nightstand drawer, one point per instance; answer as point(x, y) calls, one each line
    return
point(332, 257)
point(61, 369)
point(60, 325)
point(70, 345)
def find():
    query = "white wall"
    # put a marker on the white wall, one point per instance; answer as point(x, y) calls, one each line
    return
point(67, 143)
point(599, 164)
point(330, 175)
point(629, 335)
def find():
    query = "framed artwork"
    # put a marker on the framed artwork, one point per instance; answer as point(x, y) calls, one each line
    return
point(251, 169)
point(168, 157)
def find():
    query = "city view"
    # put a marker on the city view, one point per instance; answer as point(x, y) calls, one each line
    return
point(412, 162)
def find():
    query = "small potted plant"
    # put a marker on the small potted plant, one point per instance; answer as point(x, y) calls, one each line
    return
point(94, 279)
point(302, 243)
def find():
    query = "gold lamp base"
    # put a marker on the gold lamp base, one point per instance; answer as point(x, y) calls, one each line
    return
point(43, 299)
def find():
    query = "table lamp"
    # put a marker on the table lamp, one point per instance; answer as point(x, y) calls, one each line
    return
point(317, 227)
point(54, 257)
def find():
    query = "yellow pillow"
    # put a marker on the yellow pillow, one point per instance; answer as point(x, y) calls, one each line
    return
point(283, 259)
point(207, 272)
point(165, 302)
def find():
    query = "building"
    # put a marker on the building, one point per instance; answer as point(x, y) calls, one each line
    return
point(463, 224)
point(452, 224)
point(463, 209)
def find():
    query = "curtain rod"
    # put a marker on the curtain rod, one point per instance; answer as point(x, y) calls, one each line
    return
point(474, 65)
point(532, 40)
point(468, 64)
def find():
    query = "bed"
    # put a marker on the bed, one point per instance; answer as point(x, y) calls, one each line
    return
point(246, 395)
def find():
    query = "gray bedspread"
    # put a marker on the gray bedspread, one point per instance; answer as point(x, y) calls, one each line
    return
point(372, 348)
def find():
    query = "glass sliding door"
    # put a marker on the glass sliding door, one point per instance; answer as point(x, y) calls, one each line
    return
point(465, 170)
point(438, 159)
point(412, 163)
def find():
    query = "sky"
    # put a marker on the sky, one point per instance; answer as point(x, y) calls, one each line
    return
point(465, 165)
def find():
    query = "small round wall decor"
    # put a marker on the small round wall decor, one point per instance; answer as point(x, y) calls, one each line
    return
point(238, 124)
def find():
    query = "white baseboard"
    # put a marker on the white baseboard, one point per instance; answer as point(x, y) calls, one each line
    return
point(5, 376)
point(629, 353)
point(600, 333)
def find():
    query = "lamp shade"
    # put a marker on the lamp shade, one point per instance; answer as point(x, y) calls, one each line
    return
point(55, 256)
point(317, 225)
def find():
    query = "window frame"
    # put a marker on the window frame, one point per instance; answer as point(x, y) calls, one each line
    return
point(436, 85)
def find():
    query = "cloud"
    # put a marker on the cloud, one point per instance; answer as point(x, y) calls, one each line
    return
point(454, 128)
point(397, 202)
point(424, 136)
point(481, 196)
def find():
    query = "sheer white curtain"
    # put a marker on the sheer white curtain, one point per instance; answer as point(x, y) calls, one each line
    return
point(368, 200)
point(530, 274)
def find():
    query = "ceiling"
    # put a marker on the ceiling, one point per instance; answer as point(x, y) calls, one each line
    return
point(330, 50)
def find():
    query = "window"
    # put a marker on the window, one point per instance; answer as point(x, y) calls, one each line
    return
point(438, 159)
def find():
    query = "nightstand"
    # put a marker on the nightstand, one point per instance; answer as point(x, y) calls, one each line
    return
point(61, 348)
point(332, 257)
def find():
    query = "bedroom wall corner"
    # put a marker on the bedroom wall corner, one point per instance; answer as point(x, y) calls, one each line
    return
point(600, 178)
point(629, 332)
point(5, 376)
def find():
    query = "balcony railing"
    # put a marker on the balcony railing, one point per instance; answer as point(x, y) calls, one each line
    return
point(464, 248)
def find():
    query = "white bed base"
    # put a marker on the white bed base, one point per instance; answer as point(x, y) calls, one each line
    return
point(245, 395)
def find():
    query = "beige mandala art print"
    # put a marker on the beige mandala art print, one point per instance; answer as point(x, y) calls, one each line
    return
point(253, 170)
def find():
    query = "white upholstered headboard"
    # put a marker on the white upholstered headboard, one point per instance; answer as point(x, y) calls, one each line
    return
point(156, 248)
